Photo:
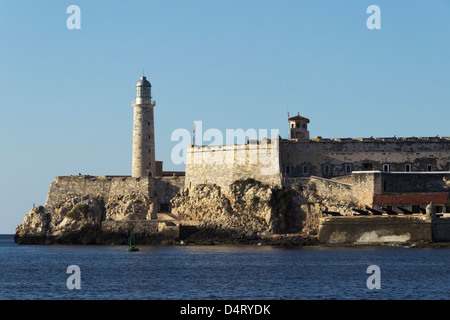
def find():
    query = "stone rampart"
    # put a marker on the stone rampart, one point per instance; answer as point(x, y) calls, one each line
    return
point(222, 165)
point(105, 187)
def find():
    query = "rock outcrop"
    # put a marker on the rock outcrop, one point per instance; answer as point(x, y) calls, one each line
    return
point(249, 212)
point(81, 219)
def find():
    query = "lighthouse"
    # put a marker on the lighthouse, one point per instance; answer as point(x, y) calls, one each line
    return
point(143, 162)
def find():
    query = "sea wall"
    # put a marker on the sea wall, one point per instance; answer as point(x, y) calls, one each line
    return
point(441, 230)
point(373, 230)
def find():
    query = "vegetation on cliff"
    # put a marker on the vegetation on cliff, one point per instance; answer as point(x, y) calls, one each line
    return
point(78, 211)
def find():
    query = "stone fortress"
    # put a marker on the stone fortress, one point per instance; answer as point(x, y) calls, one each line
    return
point(344, 190)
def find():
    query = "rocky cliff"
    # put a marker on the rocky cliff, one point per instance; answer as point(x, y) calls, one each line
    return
point(249, 212)
point(246, 211)
point(81, 219)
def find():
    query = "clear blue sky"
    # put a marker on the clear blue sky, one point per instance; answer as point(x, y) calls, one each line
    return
point(65, 94)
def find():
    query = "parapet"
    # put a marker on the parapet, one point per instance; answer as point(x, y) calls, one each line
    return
point(372, 139)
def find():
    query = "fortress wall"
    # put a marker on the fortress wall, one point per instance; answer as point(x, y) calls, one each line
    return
point(419, 152)
point(102, 186)
point(222, 165)
point(323, 188)
point(167, 187)
point(364, 185)
point(399, 182)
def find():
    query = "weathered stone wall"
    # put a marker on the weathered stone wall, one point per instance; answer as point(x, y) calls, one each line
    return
point(104, 187)
point(167, 187)
point(364, 186)
point(371, 229)
point(337, 153)
point(222, 165)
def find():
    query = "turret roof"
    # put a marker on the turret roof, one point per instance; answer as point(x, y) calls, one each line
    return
point(299, 117)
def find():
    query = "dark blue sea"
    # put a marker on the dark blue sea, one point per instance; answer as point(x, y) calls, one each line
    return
point(221, 272)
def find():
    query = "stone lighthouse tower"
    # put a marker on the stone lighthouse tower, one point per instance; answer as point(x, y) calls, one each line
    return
point(143, 163)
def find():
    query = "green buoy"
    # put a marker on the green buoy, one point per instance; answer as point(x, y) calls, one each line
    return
point(132, 243)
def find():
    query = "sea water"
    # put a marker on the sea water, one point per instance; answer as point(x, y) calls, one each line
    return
point(222, 272)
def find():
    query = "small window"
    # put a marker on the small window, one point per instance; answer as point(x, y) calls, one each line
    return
point(305, 169)
point(348, 168)
point(326, 169)
point(429, 167)
point(287, 169)
point(386, 167)
point(367, 166)
point(150, 164)
point(304, 125)
point(407, 168)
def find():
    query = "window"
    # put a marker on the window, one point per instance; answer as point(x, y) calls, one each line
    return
point(305, 169)
point(150, 164)
point(304, 125)
point(326, 169)
point(386, 167)
point(287, 169)
point(348, 168)
point(407, 168)
point(429, 167)
point(367, 166)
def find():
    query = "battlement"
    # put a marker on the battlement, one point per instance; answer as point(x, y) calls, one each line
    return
point(372, 139)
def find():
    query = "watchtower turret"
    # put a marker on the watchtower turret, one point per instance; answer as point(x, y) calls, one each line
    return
point(299, 127)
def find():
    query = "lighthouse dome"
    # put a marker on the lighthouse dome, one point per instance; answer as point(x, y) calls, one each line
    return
point(143, 82)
